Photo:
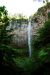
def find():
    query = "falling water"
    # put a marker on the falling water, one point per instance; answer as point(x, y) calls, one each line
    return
point(29, 37)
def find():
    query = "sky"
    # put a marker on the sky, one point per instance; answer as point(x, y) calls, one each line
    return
point(25, 7)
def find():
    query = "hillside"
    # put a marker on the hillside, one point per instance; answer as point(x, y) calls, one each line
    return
point(42, 15)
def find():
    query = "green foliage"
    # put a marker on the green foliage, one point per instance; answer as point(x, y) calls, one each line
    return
point(27, 64)
point(7, 63)
point(43, 38)
point(4, 22)
point(42, 55)
point(3, 12)
point(23, 65)
point(41, 44)
point(49, 15)
point(6, 53)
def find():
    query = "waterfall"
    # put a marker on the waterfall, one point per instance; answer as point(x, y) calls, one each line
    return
point(29, 37)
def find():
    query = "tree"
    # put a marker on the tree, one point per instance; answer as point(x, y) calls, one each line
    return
point(41, 44)
point(43, 38)
point(6, 52)
point(4, 21)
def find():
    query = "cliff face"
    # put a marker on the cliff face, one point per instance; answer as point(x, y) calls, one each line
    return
point(42, 15)
point(19, 32)
point(19, 28)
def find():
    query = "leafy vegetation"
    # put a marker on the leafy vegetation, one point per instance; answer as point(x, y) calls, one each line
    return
point(42, 43)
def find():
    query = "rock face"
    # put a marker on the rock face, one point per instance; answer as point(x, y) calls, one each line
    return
point(19, 30)
point(42, 15)
point(20, 37)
